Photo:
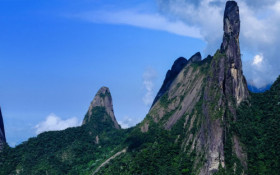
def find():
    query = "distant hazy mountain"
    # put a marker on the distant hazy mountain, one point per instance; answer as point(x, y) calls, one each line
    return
point(254, 89)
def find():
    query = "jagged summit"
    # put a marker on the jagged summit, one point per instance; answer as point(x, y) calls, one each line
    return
point(171, 74)
point(2, 132)
point(205, 96)
point(102, 99)
point(231, 19)
point(196, 57)
point(230, 47)
point(197, 125)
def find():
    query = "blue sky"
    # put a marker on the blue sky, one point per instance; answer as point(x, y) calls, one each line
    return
point(56, 54)
point(53, 63)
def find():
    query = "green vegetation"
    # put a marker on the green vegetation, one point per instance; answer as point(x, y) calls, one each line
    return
point(258, 126)
point(72, 151)
point(154, 152)
point(203, 65)
point(82, 150)
point(164, 102)
point(107, 94)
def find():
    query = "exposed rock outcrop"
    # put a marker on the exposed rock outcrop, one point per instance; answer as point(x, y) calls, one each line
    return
point(236, 83)
point(171, 74)
point(102, 99)
point(2, 132)
point(206, 93)
point(196, 57)
point(226, 88)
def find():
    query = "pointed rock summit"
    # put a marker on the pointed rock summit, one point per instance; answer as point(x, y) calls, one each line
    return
point(196, 57)
point(171, 74)
point(102, 99)
point(205, 94)
point(230, 47)
point(2, 132)
point(226, 88)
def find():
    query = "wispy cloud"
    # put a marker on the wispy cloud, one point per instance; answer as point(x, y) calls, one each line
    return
point(203, 19)
point(149, 77)
point(153, 21)
point(260, 27)
point(128, 122)
point(259, 68)
point(54, 123)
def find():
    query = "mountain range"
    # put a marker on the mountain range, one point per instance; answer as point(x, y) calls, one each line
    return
point(203, 121)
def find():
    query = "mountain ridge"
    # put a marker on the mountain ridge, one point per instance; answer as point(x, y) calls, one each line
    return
point(171, 74)
point(204, 121)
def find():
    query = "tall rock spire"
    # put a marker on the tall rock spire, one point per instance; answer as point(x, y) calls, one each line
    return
point(226, 88)
point(102, 99)
point(230, 47)
point(2, 132)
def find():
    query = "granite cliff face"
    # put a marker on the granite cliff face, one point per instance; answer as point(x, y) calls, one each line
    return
point(206, 95)
point(226, 88)
point(102, 99)
point(2, 132)
point(203, 122)
point(171, 74)
point(237, 86)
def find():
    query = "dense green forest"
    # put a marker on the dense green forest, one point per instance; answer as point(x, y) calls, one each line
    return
point(155, 152)
point(72, 151)
point(258, 125)
point(159, 151)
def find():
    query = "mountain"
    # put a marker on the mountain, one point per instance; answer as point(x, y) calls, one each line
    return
point(171, 74)
point(203, 121)
point(2, 132)
point(77, 150)
point(102, 100)
point(189, 125)
point(255, 89)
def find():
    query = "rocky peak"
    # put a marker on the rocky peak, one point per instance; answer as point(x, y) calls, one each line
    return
point(231, 19)
point(196, 57)
point(208, 92)
point(171, 74)
point(2, 132)
point(226, 88)
point(178, 65)
point(230, 47)
point(102, 98)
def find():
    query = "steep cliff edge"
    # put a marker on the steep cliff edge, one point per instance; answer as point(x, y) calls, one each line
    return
point(171, 74)
point(226, 88)
point(202, 122)
point(205, 95)
point(102, 101)
point(236, 83)
point(2, 132)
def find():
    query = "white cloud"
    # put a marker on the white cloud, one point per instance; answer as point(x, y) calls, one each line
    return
point(260, 27)
point(258, 59)
point(139, 19)
point(128, 122)
point(54, 123)
point(148, 81)
point(259, 68)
